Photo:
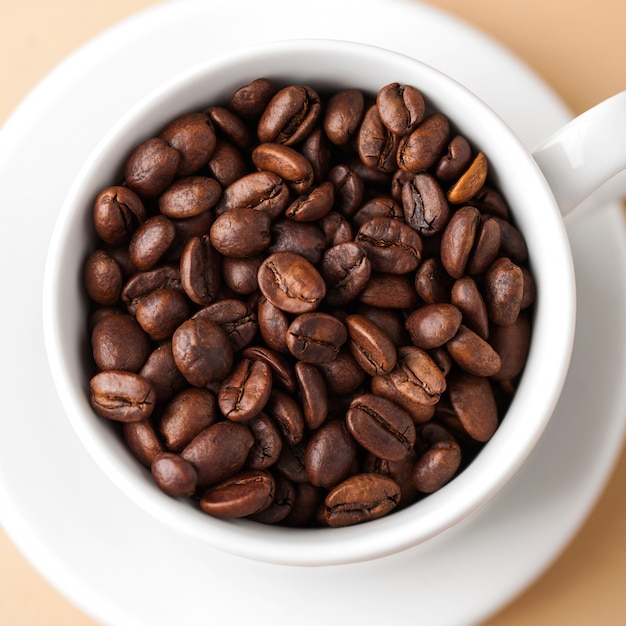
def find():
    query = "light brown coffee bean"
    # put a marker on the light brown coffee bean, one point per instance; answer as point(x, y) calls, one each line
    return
point(370, 345)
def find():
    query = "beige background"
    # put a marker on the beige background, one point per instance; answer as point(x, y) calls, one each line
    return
point(579, 47)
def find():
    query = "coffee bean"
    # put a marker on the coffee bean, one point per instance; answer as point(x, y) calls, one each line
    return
point(433, 325)
point(474, 403)
point(122, 396)
point(313, 394)
point(175, 476)
point(193, 137)
point(401, 107)
point(370, 345)
point(188, 197)
point(346, 268)
point(316, 337)
point(422, 148)
point(161, 312)
point(454, 163)
point(117, 212)
point(263, 191)
point(504, 291)
point(151, 167)
point(361, 498)
point(202, 351)
point(142, 440)
point(376, 144)
point(344, 112)
point(242, 495)
point(119, 343)
point(473, 354)
point(330, 455)
point(151, 241)
point(245, 392)
point(268, 442)
point(381, 427)
point(288, 163)
point(241, 232)
point(103, 278)
point(291, 283)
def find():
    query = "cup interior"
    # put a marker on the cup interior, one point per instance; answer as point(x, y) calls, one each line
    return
point(325, 65)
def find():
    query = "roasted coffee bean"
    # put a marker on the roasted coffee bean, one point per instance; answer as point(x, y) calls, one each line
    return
point(432, 283)
point(512, 343)
point(313, 394)
point(245, 392)
point(122, 396)
point(273, 325)
point(336, 229)
point(486, 246)
point(282, 370)
point(200, 270)
point(289, 116)
point(376, 144)
point(391, 245)
point(330, 455)
point(316, 148)
point(235, 318)
point(119, 343)
point(186, 415)
point(202, 351)
point(193, 137)
point(470, 182)
point(314, 205)
point(219, 451)
point(298, 297)
point(361, 498)
point(349, 188)
point(458, 240)
point(142, 440)
point(291, 283)
point(437, 466)
point(173, 475)
point(433, 325)
point(279, 509)
point(161, 372)
point(370, 345)
point(381, 427)
point(229, 125)
point(467, 298)
point(161, 312)
point(188, 197)
point(316, 337)
point(264, 191)
point(151, 241)
point(287, 414)
point(474, 403)
point(241, 232)
point(422, 148)
point(344, 112)
point(144, 283)
point(401, 107)
point(240, 496)
point(346, 268)
point(424, 204)
point(268, 442)
point(473, 354)
point(291, 165)
point(389, 291)
point(455, 162)
point(303, 238)
point(240, 274)
point(504, 291)
point(226, 164)
point(117, 212)
point(151, 167)
point(342, 375)
point(103, 278)
point(380, 206)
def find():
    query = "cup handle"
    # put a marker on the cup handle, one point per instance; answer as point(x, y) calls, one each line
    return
point(586, 153)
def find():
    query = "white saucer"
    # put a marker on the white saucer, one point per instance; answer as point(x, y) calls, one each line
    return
point(105, 553)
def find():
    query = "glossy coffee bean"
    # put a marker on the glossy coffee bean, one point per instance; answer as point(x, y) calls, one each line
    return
point(343, 115)
point(200, 270)
point(346, 268)
point(422, 148)
point(370, 345)
point(424, 204)
point(303, 238)
point(361, 498)
point(151, 167)
point(291, 283)
point(143, 441)
point(122, 396)
point(433, 325)
point(474, 403)
point(117, 212)
point(151, 241)
point(241, 232)
point(219, 451)
point(504, 291)
point(330, 455)
point(186, 415)
point(188, 197)
point(455, 161)
point(202, 351)
point(161, 372)
point(234, 317)
point(119, 343)
point(240, 496)
point(193, 137)
point(381, 427)
point(103, 278)
point(289, 164)
point(268, 442)
point(161, 312)
point(246, 390)
point(376, 144)
point(401, 107)
point(174, 476)
point(316, 337)
point(473, 354)
point(313, 394)
point(249, 101)
point(264, 191)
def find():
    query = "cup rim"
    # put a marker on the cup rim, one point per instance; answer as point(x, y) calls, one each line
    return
point(527, 416)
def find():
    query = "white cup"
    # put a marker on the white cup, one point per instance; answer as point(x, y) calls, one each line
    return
point(563, 171)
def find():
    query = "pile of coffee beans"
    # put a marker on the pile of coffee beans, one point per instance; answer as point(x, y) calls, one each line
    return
point(308, 308)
